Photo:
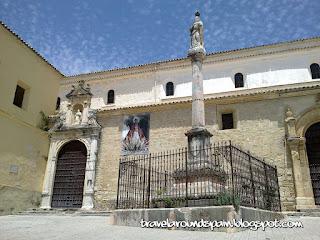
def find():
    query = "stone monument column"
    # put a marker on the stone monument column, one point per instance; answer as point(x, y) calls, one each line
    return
point(198, 136)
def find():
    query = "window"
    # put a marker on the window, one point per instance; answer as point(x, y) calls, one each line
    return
point(58, 103)
point(238, 80)
point(169, 89)
point(315, 70)
point(227, 121)
point(110, 97)
point(18, 96)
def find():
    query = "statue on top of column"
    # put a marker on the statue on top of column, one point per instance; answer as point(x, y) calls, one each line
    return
point(196, 32)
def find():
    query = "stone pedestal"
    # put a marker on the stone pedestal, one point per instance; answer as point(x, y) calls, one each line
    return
point(198, 140)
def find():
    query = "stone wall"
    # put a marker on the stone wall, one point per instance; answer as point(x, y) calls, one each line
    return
point(259, 128)
point(22, 165)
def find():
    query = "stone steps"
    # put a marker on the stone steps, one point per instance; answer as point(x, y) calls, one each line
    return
point(304, 213)
point(64, 212)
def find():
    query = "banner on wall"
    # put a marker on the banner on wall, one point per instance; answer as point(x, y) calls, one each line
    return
point(135, 134)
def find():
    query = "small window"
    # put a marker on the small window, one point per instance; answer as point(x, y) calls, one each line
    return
point(110, 96)
point(18, 96)
point(238, 80)
point(58, 103)
point(169, 89)
point(315, 70)
point(227, 121)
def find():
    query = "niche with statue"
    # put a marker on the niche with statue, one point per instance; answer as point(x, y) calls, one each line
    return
point(78, 112)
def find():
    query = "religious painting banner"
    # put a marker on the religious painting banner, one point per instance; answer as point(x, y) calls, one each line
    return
point(135, 134)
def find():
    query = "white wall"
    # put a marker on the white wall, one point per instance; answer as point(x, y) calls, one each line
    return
point(259, 71)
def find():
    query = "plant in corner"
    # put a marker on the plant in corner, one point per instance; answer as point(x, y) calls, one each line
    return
point(44, 121)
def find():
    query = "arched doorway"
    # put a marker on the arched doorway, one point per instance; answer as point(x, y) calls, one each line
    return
point(313, 151)
point(69, 177)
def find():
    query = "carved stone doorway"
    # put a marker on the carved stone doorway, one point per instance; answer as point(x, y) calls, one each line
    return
point(70, 175)
point(313, 151)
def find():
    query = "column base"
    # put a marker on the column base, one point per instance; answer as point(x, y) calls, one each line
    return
point(45, 201)
point(87, 202)
point(305, 203)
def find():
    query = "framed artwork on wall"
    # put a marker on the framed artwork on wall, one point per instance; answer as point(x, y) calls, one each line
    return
point(135, 134)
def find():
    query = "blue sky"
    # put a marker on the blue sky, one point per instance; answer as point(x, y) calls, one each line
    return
point(86, 36)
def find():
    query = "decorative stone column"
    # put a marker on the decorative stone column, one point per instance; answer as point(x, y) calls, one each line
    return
point(49, 177)
point(198, 136)
point(88, 191)
point(295, 143)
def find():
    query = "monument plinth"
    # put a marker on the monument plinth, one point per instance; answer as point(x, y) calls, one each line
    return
point(202, 177)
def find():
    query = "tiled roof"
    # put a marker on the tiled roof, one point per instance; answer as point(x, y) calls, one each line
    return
point(25, 43)
point(208, 54)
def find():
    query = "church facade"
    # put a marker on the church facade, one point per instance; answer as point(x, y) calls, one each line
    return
point(264, 99)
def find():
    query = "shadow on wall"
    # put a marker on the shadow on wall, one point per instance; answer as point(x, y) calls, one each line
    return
point(14, 200)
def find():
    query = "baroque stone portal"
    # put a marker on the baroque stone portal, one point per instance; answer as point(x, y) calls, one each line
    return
point(74, 123)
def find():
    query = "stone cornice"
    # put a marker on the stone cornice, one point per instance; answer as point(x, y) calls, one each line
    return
point(181, 63)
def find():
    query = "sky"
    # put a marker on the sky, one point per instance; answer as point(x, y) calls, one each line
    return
point(78, 36)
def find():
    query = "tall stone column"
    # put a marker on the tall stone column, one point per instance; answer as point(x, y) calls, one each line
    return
point(198, 136)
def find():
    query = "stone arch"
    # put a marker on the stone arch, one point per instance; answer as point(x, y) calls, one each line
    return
point(76, 107)
point(305, 198)
point(306, 119)
point(63, 142)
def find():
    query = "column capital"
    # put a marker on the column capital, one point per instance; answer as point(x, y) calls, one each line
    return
point(197, 54)
point(295, 141)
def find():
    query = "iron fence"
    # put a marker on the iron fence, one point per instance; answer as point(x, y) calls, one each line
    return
point(219, 174)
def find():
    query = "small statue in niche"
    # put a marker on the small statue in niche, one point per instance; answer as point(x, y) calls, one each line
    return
point(69, 115)
point(289, 113)
point(78, 116)
point(196, 32)
point(85, 113)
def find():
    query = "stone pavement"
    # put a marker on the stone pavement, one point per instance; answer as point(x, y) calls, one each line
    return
point(95, 227)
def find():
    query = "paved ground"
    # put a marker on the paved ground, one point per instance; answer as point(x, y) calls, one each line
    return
point(95, 227)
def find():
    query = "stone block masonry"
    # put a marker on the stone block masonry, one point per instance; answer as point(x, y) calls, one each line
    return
point(259, 128)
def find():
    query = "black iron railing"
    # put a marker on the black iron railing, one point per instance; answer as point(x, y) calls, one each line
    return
point(219, 174)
